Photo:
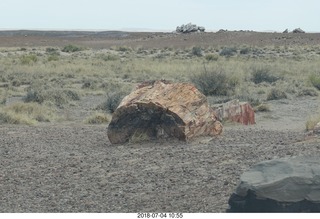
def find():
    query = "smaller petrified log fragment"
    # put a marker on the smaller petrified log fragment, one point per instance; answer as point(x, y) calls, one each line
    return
point(236, 111)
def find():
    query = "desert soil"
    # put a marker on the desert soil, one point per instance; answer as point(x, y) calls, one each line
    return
point(72, 167)
point(69, 167)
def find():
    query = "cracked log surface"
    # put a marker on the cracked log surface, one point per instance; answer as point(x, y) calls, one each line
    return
point(162, 108)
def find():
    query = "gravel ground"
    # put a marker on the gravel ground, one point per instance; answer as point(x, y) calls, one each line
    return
point(74, 168)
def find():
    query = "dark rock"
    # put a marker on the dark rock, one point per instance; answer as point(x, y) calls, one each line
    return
point(283, 185)
point(286, 31)
point(298, 30)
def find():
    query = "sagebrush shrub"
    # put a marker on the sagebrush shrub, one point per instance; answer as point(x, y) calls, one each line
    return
point(196, 51)
point(215, 82)
point(72, 48)
point(260, 75)
point(112, 102)
point(228, 51)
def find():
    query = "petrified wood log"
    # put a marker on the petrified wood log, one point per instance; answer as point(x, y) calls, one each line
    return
point(236, 111)
point(163, 108)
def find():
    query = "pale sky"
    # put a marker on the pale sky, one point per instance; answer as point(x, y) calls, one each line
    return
point(258, 15)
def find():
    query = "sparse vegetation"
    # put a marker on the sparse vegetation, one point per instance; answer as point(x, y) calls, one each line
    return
point(263, 74)
point(315, 80)
point(97, 118)
point(58, 96)
point(196, 51)
point(28, 59)
point(26, 113)
point(215, 82)
point(312, 122)
point(228, 51)
point(211, 57)
point(72, 48)
point(276, 94)
point(49, 77)
point(113, 101)
point(262, 108)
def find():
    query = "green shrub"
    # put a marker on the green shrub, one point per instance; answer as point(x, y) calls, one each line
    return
point(28, 59)
point(276, 94)
point(260, 75)
point(228, 51)
point(112, 102)
point(123, 48)
point(312, 122)
point(211, 57)
point(51, 50)
point(216, 82)
point(53, 58)
point(245, 51)
point(196, 51)
point(315, 80)
point(72, 48)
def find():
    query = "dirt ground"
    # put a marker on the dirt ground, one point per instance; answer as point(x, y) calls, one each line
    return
point(72, 167)
point(108, 39)
point(69, 167)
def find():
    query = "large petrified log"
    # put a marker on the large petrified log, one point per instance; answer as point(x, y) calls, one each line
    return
point(280, 185)
point(163, 108)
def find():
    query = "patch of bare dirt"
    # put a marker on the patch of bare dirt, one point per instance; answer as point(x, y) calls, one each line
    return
point(74, 168)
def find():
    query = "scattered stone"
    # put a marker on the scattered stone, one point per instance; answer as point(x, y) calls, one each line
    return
point(236, 111)
point(189, 28)
point(298, 30)
point(281, 185)
point(163, 108)
point(222, 31)
point(286, 31)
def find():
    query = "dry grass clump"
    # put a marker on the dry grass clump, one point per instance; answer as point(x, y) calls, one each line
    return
point(26, 113)
point(98, 118)
point(315, 80)
point(312, 122)
point(276, 94)
point(308, 92)
point(262, 108)
point(57, 96)
point(28, 59)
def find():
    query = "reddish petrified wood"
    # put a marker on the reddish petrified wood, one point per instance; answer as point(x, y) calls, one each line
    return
point(159, 108)
point(236, 111)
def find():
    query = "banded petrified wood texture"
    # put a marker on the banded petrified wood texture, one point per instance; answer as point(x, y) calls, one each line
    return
point(163, 108)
